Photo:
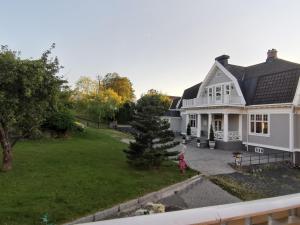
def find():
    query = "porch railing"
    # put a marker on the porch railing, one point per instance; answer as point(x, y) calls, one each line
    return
point(219, 135)
point(232, 135)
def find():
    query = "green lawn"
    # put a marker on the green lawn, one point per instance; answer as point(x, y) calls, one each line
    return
point(73, 177)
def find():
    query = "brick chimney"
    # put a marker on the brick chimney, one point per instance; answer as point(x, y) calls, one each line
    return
point(271, 55)
point(223, 59)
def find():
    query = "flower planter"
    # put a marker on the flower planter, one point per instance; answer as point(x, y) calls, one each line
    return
point(198, 143)
point(237, 158)
point(212, 144)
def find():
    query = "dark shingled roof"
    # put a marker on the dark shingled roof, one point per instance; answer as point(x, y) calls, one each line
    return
point(276, 88)
point(172, 113)
point(191, 92)
point(264, 83)
point(174, 102)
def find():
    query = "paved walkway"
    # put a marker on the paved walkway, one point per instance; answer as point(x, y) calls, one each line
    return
point(204, 193)
point(207, 161)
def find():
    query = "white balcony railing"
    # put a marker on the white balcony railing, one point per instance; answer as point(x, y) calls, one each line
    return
point(232, 135)
point(278, 210)
point(205, 101)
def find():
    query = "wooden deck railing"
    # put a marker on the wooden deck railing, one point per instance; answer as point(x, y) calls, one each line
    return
point(271, 211)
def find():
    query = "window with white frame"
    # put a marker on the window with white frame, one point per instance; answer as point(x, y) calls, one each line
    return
point(259, 124)
point(210, 94)
point(218, 93)
point(227, 89)
point(193, 120)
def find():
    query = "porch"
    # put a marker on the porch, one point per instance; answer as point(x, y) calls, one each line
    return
point(227, 126)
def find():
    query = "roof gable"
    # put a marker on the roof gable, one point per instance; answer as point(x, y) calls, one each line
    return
point(211, 72)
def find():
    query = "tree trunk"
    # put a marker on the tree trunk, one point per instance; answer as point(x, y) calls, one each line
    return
point(7, 158)
point(7, 150)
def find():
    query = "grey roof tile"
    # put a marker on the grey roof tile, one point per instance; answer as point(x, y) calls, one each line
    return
point(172, 113)
point(174, 102)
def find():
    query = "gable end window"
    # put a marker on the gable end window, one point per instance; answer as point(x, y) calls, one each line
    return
point(259, 124)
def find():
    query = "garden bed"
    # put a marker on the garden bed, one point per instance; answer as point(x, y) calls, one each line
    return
point(261, 182)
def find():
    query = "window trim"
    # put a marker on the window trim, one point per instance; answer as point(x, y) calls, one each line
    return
point(249, 124)
point(223, 85)
point(194, 119)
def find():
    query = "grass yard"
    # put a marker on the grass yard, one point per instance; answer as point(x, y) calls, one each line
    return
point(71, 178)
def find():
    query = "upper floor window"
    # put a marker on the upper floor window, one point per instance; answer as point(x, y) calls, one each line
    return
point(227, 89)
point(259, 124)
point(218, 93)
point(193, 120)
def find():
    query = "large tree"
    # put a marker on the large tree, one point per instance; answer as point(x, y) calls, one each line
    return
point(121, 85)
point(152, 134)
point(28, 88)
point(101, 99)
point(103, 106)
point(86, 86)
point(165, 99)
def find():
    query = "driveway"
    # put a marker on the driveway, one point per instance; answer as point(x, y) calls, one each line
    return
point(202, 194)
point(207, 161)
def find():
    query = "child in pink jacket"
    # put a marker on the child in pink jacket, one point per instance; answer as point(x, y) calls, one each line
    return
point(182, 163)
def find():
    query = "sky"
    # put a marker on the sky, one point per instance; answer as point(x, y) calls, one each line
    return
point(167, 45)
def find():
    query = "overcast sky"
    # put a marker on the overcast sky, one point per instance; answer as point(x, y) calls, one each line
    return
point(167, 45)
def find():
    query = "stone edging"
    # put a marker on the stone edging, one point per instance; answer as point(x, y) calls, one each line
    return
point(138, 202)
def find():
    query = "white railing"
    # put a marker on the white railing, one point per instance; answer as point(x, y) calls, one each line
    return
point(232, 135)
point(204, 101)
point(264, 211)
point(219, 135)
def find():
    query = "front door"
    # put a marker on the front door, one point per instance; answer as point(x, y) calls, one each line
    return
point(218, 125)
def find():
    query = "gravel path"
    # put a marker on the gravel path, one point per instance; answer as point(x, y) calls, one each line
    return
point(203, 193)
